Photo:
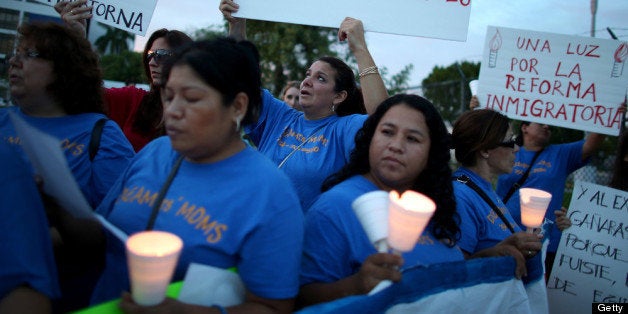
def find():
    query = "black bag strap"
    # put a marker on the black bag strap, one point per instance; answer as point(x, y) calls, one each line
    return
point(465, 180)
point(162, 193)
point(523, 178)
point(94, 141)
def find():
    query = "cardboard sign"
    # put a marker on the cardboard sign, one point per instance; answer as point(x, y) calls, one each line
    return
point(567, 81)
point(592, 259)
point(131, 16)
point(444, 19)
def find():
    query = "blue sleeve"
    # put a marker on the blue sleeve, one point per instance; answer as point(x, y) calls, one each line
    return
point(271, 255)
point(272, 111)
point(469, 222)
point(113, 156)
point(572, 152)
point(326, 249)
point(25, 239)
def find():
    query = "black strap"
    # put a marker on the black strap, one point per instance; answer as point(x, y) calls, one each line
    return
point(523, 178)
point(94, 141)
point(162, 193)
point(465, 180)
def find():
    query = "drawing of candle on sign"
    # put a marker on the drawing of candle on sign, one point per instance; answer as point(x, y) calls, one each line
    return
point(620, 56)
point(494, 45)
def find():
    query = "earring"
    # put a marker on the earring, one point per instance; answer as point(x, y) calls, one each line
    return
point(333, 107)
point(485, 156)
point(237, 121)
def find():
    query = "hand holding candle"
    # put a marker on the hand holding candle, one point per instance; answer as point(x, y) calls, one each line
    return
point(533, 203)
point(152, 257)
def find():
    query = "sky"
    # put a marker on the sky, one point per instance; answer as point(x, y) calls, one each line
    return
point(569, 17)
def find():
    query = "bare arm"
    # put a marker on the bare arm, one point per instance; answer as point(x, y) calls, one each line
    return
point(25, 300)
point(237, 26)
point(373, 88)
point(376, 268)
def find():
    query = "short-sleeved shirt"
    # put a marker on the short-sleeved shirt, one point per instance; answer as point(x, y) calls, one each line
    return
point(336, 244)
point(307, 150)
point(238, 212)
point(549, 173)
point(94, 177)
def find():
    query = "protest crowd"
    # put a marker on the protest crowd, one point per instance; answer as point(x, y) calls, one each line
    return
point(264, 188)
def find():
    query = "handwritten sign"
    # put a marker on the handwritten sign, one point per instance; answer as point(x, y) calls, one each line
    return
point(131, 16)
point(592, 259)
point(444, 19)
point(568, 81)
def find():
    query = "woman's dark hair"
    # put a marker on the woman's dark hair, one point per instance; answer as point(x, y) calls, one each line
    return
point(478, 130)
point(620, 170)
point(434, 181)
point(228, 66)
point(78, 79)
point(150, 112)
point(345, 81)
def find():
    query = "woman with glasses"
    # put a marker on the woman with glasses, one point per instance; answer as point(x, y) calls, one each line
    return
point(56, 84)
point(485, 148)
point(137, 111)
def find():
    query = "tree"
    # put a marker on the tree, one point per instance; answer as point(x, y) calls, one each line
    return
point(287, 50)
point(126, 66)
point(448, 89)
point(113, 41)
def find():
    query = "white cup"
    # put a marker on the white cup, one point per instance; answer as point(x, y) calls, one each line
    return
point(152, 257)
point(473, 87)
point(534, 204)
point(408, 215)
point(372, 211)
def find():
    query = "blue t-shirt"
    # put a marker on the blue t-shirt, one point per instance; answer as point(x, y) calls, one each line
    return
point(238, 212)
point(321, 147)
point(481, 227)
point(336, 244)
point(74, 132)
point(549, 174)
point(25, 243)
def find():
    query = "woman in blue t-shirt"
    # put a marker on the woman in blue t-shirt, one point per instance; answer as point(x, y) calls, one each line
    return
point(311, 144)
point(403, 146)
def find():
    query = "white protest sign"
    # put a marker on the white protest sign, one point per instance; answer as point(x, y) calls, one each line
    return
point(591, 263)
point(131, 16)
point(444, 19)
point(568, 81)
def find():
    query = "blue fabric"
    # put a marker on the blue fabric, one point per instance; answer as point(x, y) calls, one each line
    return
point(481, 228)
point(280, 129)
point(239, 212)
point(421, 282)
point(336, 244)
point(549, 174)
point(74, 131)
point(25, 242)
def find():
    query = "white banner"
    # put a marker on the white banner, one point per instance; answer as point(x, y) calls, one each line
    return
point(568, 81)
point(591, 263)
point(443, 19)
point(131, 16)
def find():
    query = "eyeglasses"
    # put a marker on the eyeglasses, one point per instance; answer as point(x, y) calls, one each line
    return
point(22, 55)
point(509, 143)
point(160, 55)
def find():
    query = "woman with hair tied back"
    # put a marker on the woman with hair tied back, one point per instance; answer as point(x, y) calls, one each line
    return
point(137, 111)
point(228, 203)
point(485, 147)
point(290, 94)
point(311, 144)
point(403, 146)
